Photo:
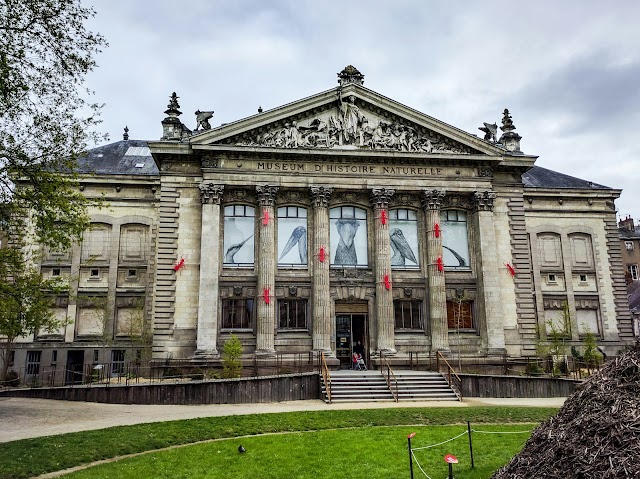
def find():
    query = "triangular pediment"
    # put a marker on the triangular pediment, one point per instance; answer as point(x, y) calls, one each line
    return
point(347, 118)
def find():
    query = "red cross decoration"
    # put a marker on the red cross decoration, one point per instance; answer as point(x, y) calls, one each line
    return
point(436, 230)
point(440, 264)
point(383, 217)
point(321, 254)
point(387, 282)
point(179, 264)
point(510, 268)
point(266, 296)
point(265, 217)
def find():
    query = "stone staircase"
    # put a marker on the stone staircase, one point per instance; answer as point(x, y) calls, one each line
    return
point(371, 386)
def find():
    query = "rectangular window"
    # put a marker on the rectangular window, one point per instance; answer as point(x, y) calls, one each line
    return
point(95, 273)
point(95, 355)
point(117, 362)
point(292, 314)
point(460, 314)
point(12, 357)
point(237, 313)
point(33, 362)
point(455, 241)
point(633, 271)
point(408, 314)
point(551, 278)
point(238, 244)
point(628, 245)
point(55, 272)
point(54, 357)
point(292, 236)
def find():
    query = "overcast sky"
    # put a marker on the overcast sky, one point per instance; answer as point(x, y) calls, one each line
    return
point(568, 71)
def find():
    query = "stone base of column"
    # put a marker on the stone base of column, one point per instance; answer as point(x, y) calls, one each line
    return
point(496, 351)
point(443, 351)
point(205, 354)
point(386, 352)
point(265, 353)
point(328, 353)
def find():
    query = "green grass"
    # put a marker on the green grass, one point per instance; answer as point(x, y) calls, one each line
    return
point(373, 452)
point(31, 457)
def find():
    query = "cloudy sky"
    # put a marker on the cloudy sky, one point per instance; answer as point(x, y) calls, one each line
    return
point(568, 71)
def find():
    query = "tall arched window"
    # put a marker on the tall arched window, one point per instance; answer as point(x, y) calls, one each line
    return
point(292, 236)
point(348, 236)
point(455, 239)
point(238, 235)
point(403, 232)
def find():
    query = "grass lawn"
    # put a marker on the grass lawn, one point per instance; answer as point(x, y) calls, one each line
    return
point(31, 457)
point(371, 452)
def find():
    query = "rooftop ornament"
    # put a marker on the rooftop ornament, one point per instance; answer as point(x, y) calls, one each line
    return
point(172, 127)
point(125, 135)
point(350, 74)
point(490, 131)
point(510, 139)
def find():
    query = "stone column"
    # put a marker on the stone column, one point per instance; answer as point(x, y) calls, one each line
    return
point(321, 308)
point(489, 281)
point(431, 203)
point(384, 294)
point(210, 241)
point(266, 269)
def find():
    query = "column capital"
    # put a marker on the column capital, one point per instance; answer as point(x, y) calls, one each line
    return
point(380, 197)
point(432, 199)
point(483, 200)
point(267, 194)
point(211, 193)
point(320, 196)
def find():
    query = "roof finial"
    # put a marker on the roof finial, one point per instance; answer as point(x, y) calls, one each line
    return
point(350, 74)
point(125, 135)
point(509, 139)
point(172, 108)
point(260, 109)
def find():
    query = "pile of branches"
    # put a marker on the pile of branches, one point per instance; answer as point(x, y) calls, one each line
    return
point(596, 434)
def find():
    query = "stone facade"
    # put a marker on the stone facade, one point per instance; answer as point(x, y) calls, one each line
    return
point(340, 218)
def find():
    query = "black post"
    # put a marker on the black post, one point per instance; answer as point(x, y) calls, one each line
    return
point(450, 471)
point(470, 443)
point(410, 454)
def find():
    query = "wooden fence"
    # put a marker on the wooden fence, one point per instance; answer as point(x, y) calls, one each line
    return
point(291, 387)
point(516, 386)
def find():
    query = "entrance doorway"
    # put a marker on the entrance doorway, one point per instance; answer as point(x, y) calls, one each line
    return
point(351, 328)
point(75, 366)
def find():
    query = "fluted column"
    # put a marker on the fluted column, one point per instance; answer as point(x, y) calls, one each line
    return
point(384, 294)
point(211, 197)
point(266, 265)
point(488, 277)
point(431, 203)
point(321, 309)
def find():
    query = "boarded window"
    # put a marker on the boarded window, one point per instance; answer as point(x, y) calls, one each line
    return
point(581, 251)
point(460, 314)
point(90, 321)
point(133, 243)
point(96, 242)
point(550, 250)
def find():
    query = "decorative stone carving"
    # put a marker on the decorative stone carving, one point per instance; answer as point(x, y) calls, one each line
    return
point(172, 127)
point(293, 291)
point(267, 195)
point(320, 196)
point(351, 197)
point(405, 199)
point(380, 197)
point(202, 119)
point(485, 172)
point(350, 127)
point(209, 162)
point(432, 199)
point(483, 200)
point(510, 139)
point(350, 74)
point(490, 131)
point(210, 193)
point(408, 292)
point(237, 290)
point(237, 194)
point(456, 200)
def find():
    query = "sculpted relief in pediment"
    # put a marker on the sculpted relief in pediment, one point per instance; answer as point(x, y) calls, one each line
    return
point(351, 126)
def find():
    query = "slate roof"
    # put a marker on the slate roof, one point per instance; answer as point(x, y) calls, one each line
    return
point(126, 157)
point(634, 296)
point(627, 234)
point(538, 177)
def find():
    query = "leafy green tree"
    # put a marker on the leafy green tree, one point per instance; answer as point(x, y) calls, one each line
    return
point(232, 358)
point(25, 302)
point(591, 355)
point(46, 120)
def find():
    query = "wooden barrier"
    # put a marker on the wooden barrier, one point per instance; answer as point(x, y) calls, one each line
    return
point(516, 386)
point(290, 387)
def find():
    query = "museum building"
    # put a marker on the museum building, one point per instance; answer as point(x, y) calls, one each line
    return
point(338, 219)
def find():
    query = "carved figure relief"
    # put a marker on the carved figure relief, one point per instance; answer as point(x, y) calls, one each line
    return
point(349, 125)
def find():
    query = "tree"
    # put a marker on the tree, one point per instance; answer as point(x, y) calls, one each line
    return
point(45, 119)
point(25, 302)
point(46, 122)
point(591, 355)
point(232, 358)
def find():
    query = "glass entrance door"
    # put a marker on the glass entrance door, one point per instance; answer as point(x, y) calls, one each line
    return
point(350, 330)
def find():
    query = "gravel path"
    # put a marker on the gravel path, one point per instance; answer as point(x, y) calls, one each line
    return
point(24, 418)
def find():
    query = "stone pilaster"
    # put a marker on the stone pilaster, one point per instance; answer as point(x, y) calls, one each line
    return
point(384, 294)
point(266, 269)
point(431, 203)
point(488, 279)
point(321, 309)
point(211, 197)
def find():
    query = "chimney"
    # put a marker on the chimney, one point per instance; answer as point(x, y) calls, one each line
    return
point(627, 224)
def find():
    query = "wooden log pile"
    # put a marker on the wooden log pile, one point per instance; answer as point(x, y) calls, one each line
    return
point(595, 435)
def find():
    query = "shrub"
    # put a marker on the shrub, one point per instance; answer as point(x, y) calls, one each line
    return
point(232, 358)
point(12, 379)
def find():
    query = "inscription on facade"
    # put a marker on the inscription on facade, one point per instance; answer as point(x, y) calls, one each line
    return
point(355, 169)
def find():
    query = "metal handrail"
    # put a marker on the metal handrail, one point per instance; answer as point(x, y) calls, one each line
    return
point(326, 377)
point(385, 363)
point(451, 377)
